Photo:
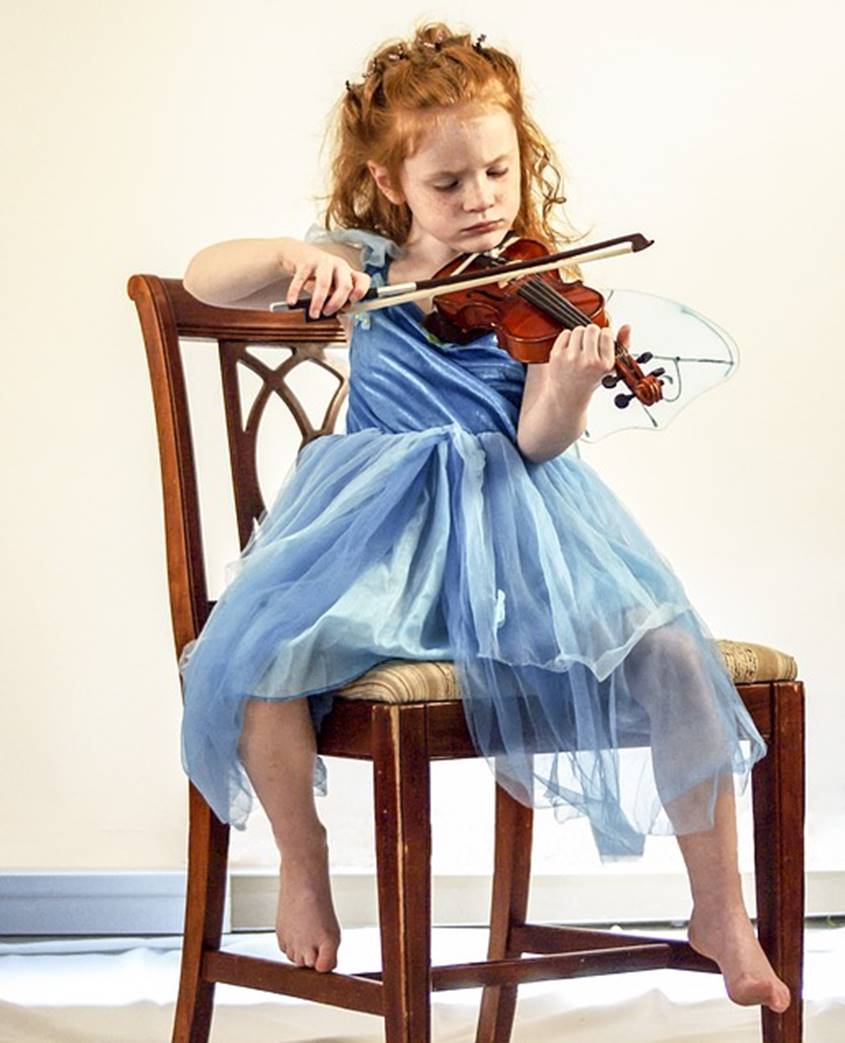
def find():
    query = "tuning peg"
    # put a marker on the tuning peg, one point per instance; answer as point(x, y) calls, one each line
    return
point(622, 400)
point(657, 372)
point(646, 356)
point(610, 380)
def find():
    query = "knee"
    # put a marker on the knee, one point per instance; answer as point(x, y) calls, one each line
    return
point(677, 647)
point(671, 656)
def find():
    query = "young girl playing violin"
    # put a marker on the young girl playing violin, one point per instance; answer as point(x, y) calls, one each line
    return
point(454, 521)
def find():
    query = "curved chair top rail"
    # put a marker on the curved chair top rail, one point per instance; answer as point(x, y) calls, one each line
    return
point(167, 312)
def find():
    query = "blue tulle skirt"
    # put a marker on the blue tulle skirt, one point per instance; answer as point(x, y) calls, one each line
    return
point(589, 683)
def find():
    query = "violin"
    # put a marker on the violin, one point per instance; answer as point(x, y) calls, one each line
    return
point(517, 291)
point(528, 312)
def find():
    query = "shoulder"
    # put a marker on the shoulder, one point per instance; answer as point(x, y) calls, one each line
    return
point(351, 254)
point(370, 249)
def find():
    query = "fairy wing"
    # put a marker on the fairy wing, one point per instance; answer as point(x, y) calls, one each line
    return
point(695, 353)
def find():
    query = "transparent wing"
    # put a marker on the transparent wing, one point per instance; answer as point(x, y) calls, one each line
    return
point(695, 353)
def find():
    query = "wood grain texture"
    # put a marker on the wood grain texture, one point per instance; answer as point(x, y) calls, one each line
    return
point(778, 795)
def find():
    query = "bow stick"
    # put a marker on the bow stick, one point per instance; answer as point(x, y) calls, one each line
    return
point(398, 293)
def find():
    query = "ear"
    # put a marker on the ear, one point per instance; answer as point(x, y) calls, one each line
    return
point(380, 176)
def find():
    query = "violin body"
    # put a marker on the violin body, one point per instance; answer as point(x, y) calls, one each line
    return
point(528, 313)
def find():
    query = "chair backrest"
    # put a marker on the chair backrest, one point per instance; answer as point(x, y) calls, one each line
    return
point(167, 312)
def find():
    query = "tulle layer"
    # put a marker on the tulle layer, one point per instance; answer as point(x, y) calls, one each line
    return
point(588, 681)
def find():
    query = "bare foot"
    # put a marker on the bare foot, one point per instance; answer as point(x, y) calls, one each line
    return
point(727, 936)
point(307, 928)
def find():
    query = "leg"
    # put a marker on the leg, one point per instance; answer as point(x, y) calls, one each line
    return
point(668, 679)
point(278, 749)
point(719, 926)
point(688, 725)
point(778, 789)
point(402, 804)
point(508, 905)
point(207, 858)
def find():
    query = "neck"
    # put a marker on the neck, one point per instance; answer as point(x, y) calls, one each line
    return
point(424, 253)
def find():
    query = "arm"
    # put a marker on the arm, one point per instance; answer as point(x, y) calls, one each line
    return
point(556, 394)
point(252, 273)
point(549, 420)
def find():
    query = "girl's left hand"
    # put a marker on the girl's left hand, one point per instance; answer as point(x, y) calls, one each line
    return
point(581, 357)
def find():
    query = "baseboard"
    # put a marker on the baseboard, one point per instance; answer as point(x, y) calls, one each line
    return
point(150, 903)
point(86, 903)
point(606, 896)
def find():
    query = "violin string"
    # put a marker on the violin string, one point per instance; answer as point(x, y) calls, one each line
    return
point(579, 318)
point(555, 304)
point(540, 293)
point(550, 307)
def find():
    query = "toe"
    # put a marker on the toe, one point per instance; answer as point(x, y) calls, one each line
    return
point(326, 960)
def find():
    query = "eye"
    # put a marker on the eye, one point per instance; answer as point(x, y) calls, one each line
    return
point(454, 185)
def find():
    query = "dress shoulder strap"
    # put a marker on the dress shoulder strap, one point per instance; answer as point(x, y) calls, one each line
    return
point(375, 248)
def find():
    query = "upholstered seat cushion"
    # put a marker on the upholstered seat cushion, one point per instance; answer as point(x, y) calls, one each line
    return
point(413, 681)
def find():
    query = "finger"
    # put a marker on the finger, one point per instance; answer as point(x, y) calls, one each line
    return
point(322, 285)
point(360, 285)
point(606, 348)
point(624, 336)
point(561, 341)
point(296, 284)
point(343, 286)
point(575, 339)
point(591, 338)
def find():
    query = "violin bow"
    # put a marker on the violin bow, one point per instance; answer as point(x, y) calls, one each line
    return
point(398, 293)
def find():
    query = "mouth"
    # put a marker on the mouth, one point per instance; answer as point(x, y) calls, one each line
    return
point(487, 226)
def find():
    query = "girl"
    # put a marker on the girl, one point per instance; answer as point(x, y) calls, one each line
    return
point(454, 521)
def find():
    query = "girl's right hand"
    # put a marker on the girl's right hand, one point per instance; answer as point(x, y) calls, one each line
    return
point(322, 274)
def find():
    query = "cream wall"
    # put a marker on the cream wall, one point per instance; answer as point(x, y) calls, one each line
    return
point(137, 134)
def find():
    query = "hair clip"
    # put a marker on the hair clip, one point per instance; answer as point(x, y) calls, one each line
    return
point(437, 45)
point(479, 42)
point(400, 52)
point(376, 65)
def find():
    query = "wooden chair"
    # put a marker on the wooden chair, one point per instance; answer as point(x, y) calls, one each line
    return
point(401, 716)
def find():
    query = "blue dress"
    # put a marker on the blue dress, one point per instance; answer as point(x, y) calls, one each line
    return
point(588, 681)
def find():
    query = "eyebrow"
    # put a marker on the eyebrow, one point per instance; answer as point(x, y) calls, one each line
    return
point(454, 173)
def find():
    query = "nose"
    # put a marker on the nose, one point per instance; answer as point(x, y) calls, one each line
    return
point(478, 196)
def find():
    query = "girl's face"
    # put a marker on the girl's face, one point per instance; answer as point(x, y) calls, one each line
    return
point(464, 173)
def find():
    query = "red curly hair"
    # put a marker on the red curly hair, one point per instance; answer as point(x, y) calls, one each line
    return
point(383, 117)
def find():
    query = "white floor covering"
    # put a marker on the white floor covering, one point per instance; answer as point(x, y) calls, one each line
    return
point(122, 990)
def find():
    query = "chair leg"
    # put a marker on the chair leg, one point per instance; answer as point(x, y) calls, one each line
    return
point(778, 802)
point(401, 775)
point(508, 906)
point(208, 848)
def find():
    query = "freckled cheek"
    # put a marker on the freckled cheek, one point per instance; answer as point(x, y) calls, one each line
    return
point(514, 200)
point(443, 209)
